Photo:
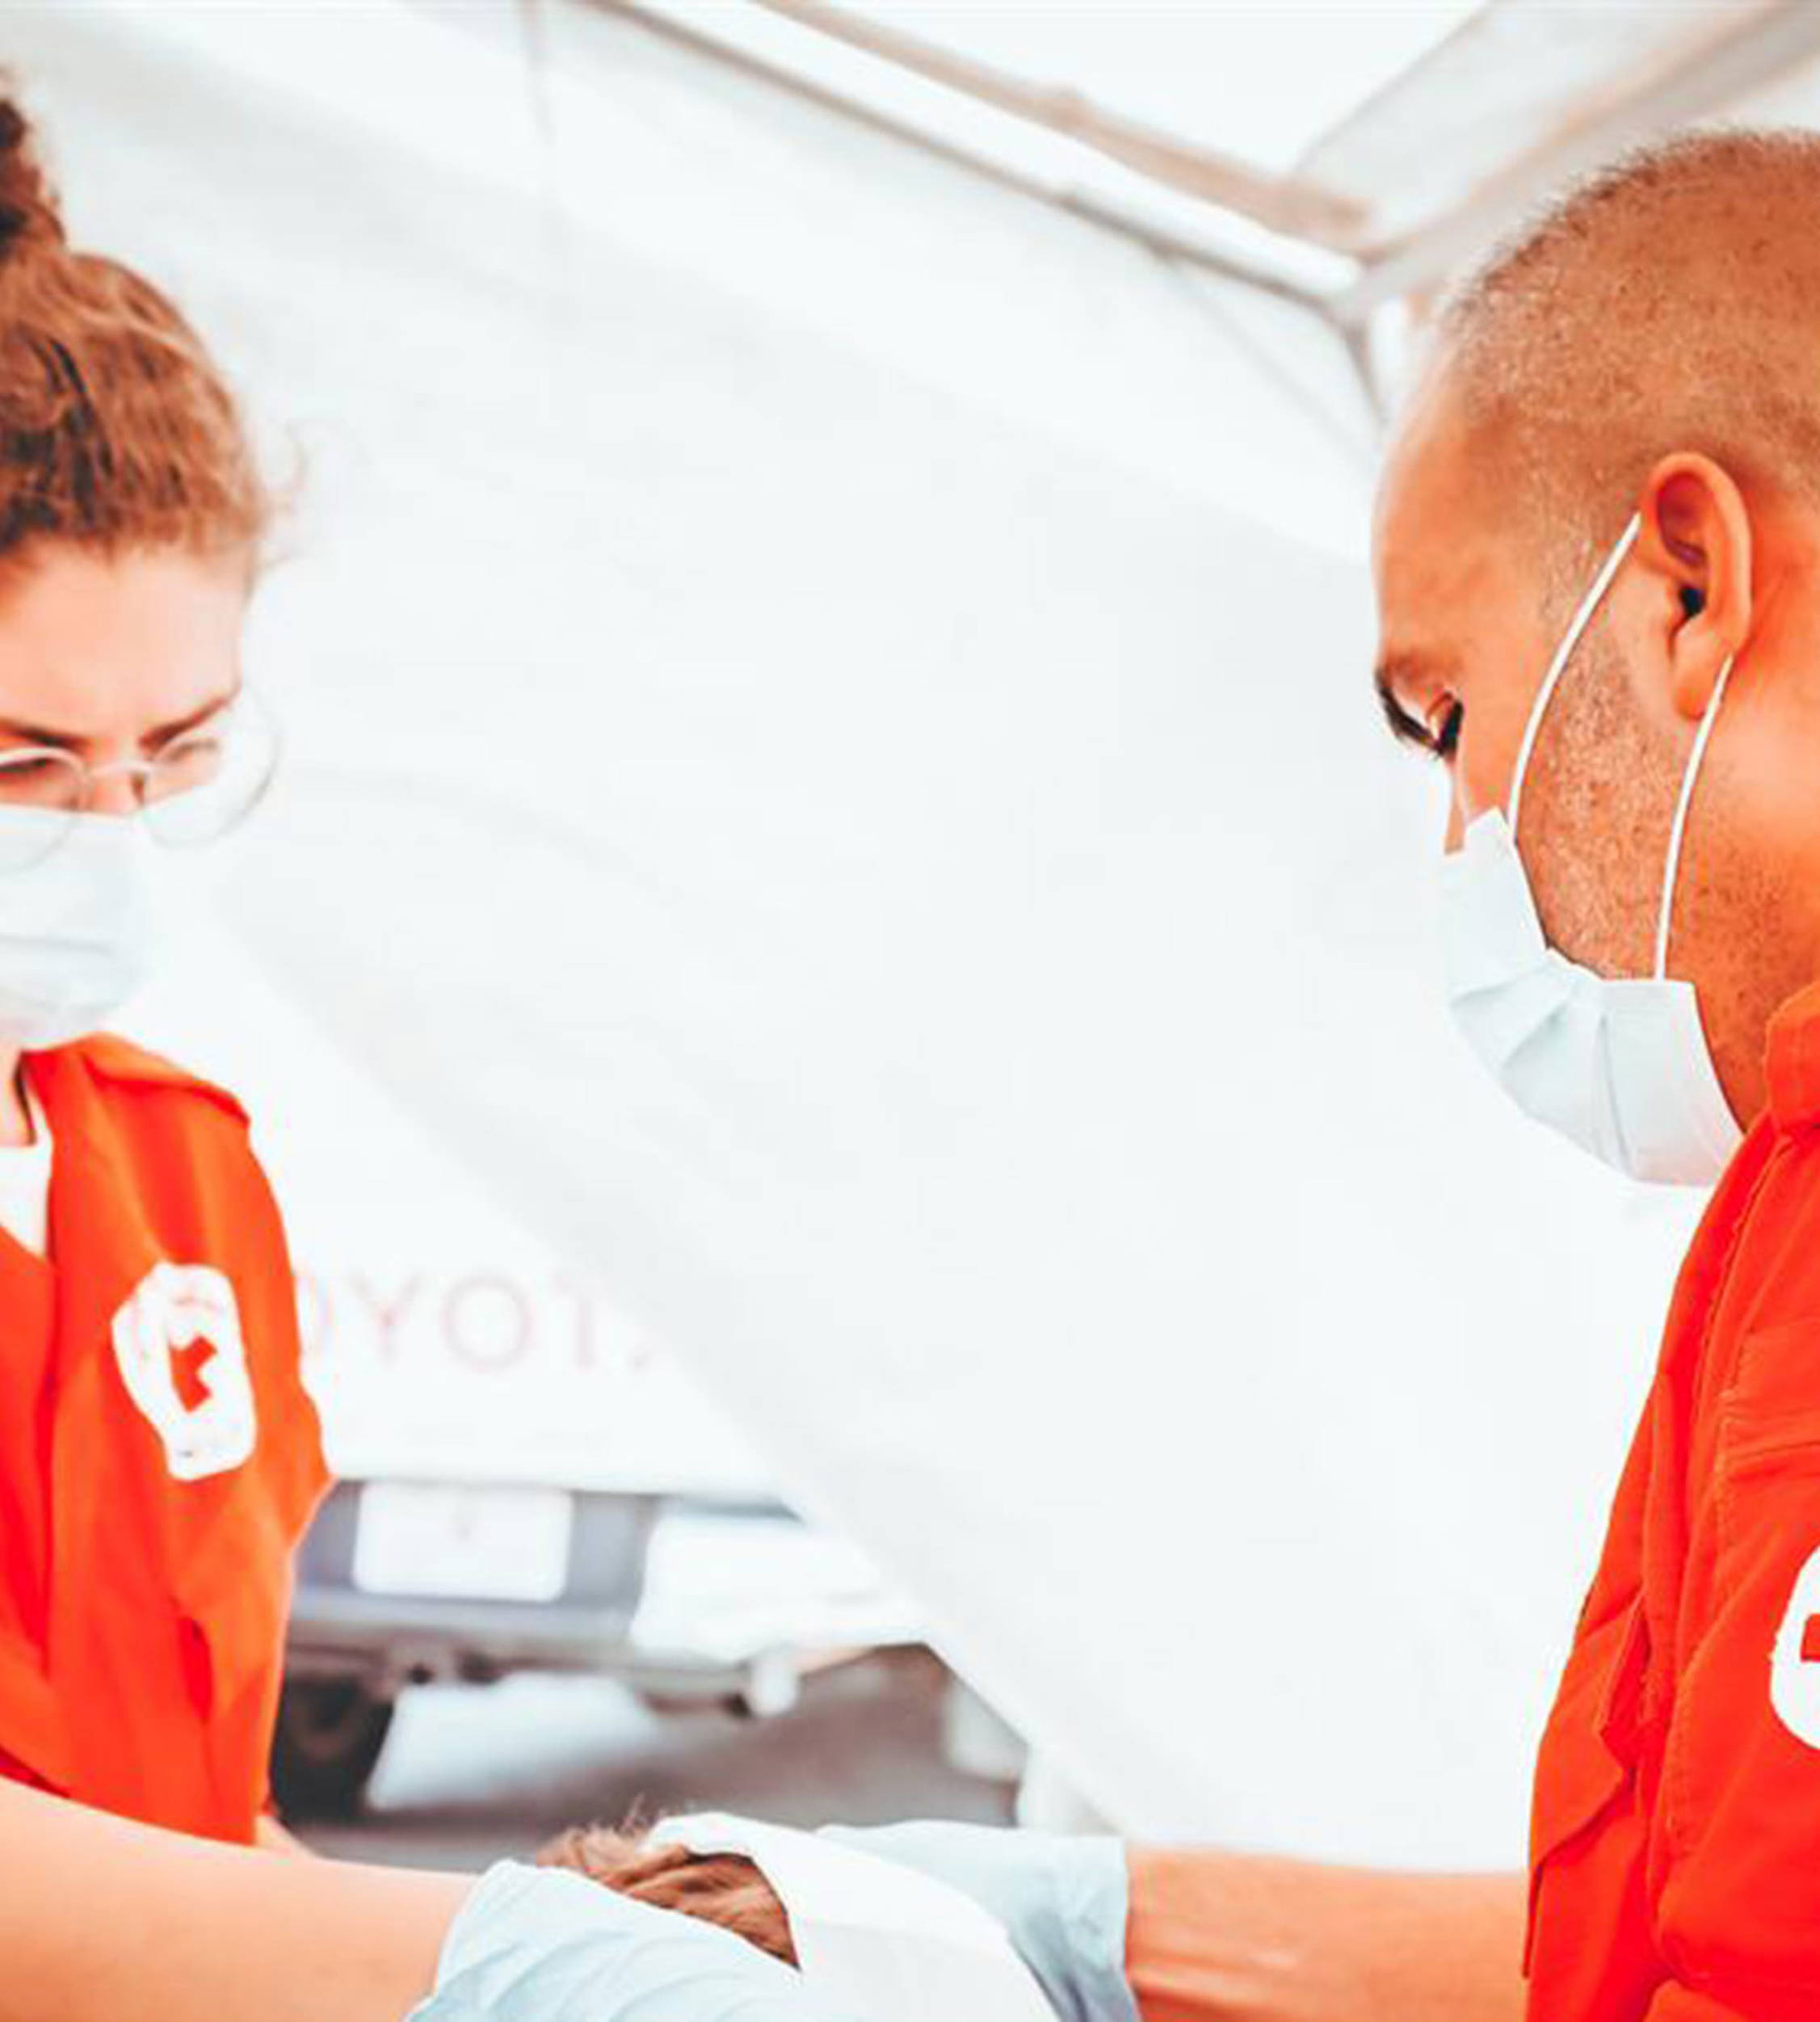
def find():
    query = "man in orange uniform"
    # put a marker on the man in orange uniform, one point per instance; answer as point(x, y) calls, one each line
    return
point(1598, 562)
point(1623, 414)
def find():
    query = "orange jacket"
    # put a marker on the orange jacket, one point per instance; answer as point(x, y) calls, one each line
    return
point(1675, 1837)
point(159, 1458)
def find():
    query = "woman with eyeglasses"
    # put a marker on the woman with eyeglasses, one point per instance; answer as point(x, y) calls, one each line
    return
point(158, 1455)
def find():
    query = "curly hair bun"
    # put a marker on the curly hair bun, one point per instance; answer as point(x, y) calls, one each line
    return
point(117, 428)
point(28, 207)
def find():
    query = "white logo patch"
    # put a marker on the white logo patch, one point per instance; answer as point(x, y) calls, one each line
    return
point(179, 1344)
point(1794, 1670)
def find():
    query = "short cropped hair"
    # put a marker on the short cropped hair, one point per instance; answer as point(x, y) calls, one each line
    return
point(1670, 302)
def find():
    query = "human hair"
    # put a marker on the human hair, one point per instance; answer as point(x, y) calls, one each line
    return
point(1670, 301)
point(117, 429)
point(725, 1889)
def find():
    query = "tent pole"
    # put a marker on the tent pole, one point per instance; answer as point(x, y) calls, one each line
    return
point(1160, 240)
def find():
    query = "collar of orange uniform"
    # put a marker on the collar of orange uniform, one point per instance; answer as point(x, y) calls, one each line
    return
point(1792, 1062)
point(111, 1059)
point(92, 1181)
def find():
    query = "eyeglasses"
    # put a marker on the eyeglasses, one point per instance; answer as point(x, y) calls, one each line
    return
point(190, 792)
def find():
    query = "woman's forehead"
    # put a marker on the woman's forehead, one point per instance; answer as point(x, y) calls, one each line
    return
point(98, 647)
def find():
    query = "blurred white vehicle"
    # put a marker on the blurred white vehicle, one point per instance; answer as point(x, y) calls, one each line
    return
point(526, 1487)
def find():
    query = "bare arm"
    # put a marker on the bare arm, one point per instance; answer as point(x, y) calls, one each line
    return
point(1218, 1937)
point(101, 1918)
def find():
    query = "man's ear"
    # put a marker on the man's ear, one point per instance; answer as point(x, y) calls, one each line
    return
point(1695, 536)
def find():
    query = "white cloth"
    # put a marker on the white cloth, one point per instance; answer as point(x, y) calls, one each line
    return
point(872, 1937)
point(25, 1182)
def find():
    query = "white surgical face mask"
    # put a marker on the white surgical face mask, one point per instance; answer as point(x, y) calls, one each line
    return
point(78, 928)
point(1620, 1065)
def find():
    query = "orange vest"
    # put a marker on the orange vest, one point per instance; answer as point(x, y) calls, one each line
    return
point(1675, 1836)
point(159, 1458)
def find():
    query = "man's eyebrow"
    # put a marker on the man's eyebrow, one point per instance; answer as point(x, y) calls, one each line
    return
point(1397, 672)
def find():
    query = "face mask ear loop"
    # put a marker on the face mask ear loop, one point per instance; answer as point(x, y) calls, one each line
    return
point(1671, 864)
point(1563, 652)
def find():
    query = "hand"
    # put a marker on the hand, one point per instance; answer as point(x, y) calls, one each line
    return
point(1064, 1902)
point(533, 1944)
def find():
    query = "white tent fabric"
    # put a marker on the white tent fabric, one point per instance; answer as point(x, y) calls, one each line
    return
point(444, 1337)
point(1269, 81)
point(1357, 153)
point(894, 863)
